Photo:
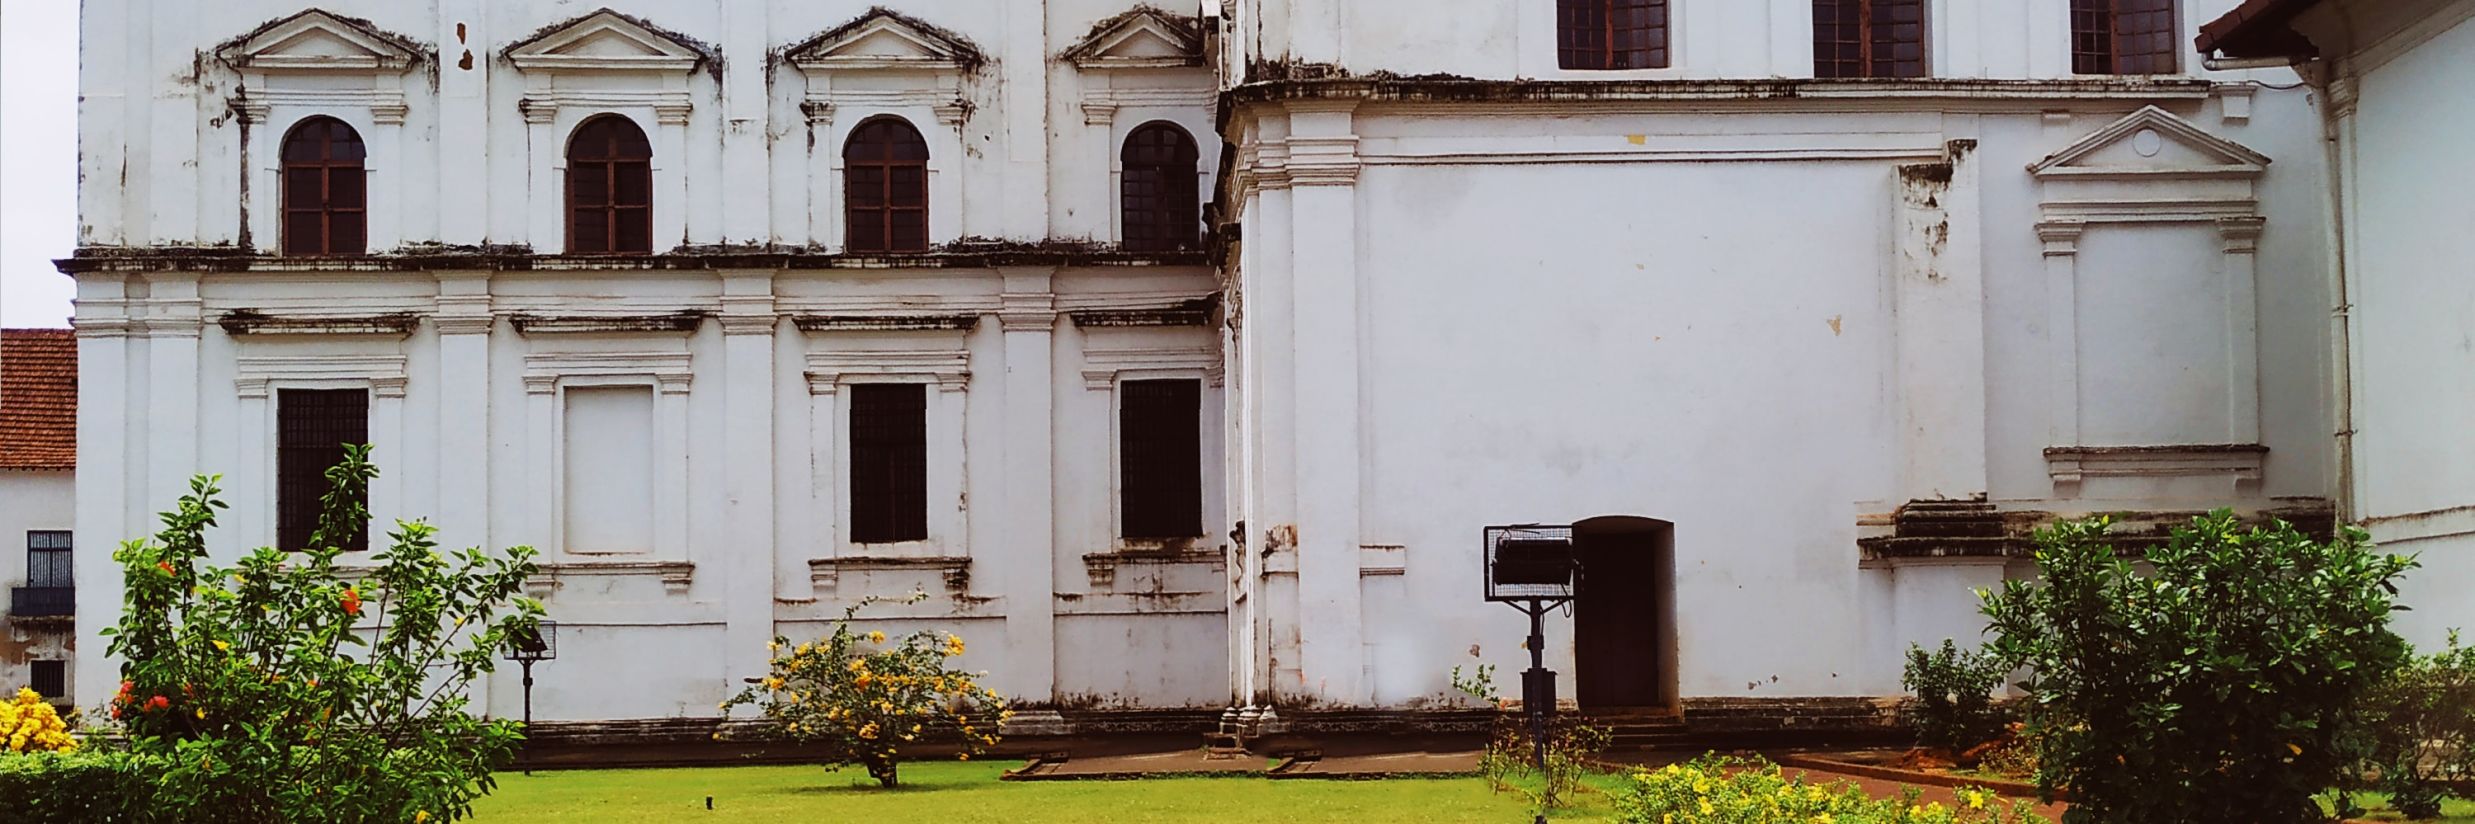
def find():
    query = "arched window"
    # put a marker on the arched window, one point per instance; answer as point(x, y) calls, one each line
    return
point(885, 187)
point(326, 196)
point(609, 188)
point(1158, 195)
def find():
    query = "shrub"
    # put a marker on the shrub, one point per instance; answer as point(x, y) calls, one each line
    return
point(1714, 790)
point(1954, 689)
point(88, 787)
point(276, 690)
point(30, 724)
point(2217, 688)
point(1573, 747)
point(2419, 730)
point(864, 697)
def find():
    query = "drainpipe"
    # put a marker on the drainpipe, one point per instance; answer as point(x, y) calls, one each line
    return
point(2339, 148)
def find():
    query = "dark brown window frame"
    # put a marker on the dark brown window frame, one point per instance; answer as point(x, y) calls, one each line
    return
point(312, 428)
point(888, 492)
point(611, 155)
point(51, 558)
point(1159, 193)
point(884, 177)
point(1870, 37)
point(2125, 37)
point(1160, 459)
point(329, 151)
point(1611, 35)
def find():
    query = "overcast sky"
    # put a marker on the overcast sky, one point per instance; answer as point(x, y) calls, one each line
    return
point(38, 158)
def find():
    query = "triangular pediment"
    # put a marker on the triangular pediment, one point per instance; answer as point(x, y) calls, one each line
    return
point(2152, 142)
point(1144, 37)
point(606, 40)
point(315, 40)
point(886, 39)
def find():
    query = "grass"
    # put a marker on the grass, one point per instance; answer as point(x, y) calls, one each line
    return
point(2453, 811)
point(967, 793)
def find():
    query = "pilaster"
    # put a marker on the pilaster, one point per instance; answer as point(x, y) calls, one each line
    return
point(1323, 172)
point(464, 320)
point(746, 555)
point(1028, 568)
point(1939, 313)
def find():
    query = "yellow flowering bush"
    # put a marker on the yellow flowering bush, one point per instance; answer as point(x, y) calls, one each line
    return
point(1713, 790)
point(866, 696)
point(30, 724)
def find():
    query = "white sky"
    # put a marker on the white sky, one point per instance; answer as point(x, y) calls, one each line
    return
point(38, 158)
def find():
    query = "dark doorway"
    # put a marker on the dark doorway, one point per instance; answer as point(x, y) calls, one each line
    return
point(1620, 614)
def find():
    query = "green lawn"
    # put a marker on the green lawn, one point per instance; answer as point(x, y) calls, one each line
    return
point(2453, 811)
point(965, 793)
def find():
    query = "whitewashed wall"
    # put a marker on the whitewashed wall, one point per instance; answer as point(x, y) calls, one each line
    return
point(669, 580)
point(2399, 135)
point(31, 500)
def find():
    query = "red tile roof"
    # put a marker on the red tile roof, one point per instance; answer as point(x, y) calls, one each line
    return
point(38, 399)
point(2257, 29)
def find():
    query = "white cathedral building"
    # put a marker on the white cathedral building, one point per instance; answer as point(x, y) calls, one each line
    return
point(1182, 354)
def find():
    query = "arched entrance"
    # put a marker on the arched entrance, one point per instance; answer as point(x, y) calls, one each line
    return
point(1624, 615)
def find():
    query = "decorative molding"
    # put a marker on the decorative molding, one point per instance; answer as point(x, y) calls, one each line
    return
point(366, 50)
point(674, 322)
point(671, 106)
point(1101, 567)
point(825, 574)
point(2224, 157)
point(1328, 160)
point(2234, 102)
point(252, 322)
point(1144, 38)
point(1197, 312)
point(670, 371)
point(642, 47)
point(1382, 560)
point(387, 107)
point(1027, 311)
point(384, 374)
point(1101, 366)
point(676, 575)
point(2068, 466)
point(885, 323)
point(950, 368)
point(884, 40)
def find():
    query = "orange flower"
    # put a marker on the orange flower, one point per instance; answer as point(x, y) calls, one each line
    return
point(166, 566)
point(352, 601)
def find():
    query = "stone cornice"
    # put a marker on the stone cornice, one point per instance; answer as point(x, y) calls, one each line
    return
point(1900, 94)
point(107, 260)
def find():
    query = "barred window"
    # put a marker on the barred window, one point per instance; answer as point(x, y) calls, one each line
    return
point(326, 201)
point(50, 679)
point(885, 187)
point(889, 462)
point(1160, 199)
point(2123, 37)
point(609, 188)
point(1611, 34)
point(48, 559)
point(313, 427)
point(1869, 38)
point(1160, 459)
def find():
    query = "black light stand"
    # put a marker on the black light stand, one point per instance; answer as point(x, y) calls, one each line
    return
point(527, 649)
point(1533, 568)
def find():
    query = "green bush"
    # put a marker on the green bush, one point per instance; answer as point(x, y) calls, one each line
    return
point(277, 690)
point(83, 787)
point(1954, 708)
point(1714, 790)
point(2419, 730)
point(2218, 687)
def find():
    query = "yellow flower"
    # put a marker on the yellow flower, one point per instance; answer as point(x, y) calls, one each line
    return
point(869, 731)
point(773, 683)
point(420, 817)
point(2296, 748)
point(223, 645)
point(804, 648)
point(1976, 800)
point(875, 637)
point(953, 645)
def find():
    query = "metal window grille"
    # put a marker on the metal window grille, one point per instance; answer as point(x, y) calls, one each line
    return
point(889, 463)
point(50, 678)
point(609, 188)
point(48, 560)
point(1159, 196)
point(2123, 37)
point(885, 188)
point(325, 191)
point(1160, 459)
point(312, 428)
point(1869, 38)
point(1611, 34)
